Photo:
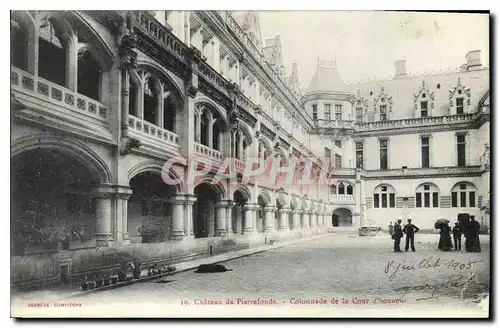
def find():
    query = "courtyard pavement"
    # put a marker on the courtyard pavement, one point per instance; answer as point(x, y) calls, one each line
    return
point(343, 276)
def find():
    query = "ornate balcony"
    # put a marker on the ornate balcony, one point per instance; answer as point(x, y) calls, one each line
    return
point(35, 89)
point(146, 129)
point(207, 152)
point(342, 199)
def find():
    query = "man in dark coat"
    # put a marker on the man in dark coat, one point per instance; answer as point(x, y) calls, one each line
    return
point(457, 237)
point(472, 236)
point(397, 235)
point(410, 230)
point(391, 229)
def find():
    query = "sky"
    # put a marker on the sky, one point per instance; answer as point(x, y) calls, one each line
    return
point(367, 43)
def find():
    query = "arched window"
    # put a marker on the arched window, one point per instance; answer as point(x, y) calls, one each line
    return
point(169, 114)
point(197, 133)
point(384, 196)
point(150, 101)
point(463, 195)
point(18, 44)
point(89, 75)
point(51, 54)
point(216, 135)
point(427, 195)
point(132, 98)
point(205, 121)
point(341, 189)
point(349, 190)
point(237, 145)
point(333, 190)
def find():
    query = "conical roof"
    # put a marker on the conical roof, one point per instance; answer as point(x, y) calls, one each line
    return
point(327, 79)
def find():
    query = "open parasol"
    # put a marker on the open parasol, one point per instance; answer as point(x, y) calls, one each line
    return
point(440, 222)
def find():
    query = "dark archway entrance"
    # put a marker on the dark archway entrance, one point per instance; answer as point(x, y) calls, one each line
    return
point(149, 214)
point(342, 217)
point(237, 212)
point(52, 204)
point(204, 210)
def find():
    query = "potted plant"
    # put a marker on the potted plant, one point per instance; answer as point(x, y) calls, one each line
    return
point(84, 283)
point(136, 268)
point(152, 231)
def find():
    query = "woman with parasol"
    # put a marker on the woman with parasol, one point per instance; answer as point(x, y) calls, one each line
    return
point(445, 243)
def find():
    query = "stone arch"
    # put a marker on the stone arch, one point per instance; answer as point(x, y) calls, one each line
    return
point(305, 203)
point(159, 73)
point(214, 108)
point(217, 187)
point(281, 201)
point(73, 148)
point(431, 184)
point(245, 191)
point(265, 196)
point(342, 217)
point(294, 203)
point(156, 167)
point(23, 50)
point(245, 129)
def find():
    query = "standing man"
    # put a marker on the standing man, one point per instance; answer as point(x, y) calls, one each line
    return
point(397, 235)
point(391, 229)
point(457, 237)
point(410, 230)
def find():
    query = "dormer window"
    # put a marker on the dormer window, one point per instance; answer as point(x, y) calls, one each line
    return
point(423, 109)
point(383, 112)
point(460, 105)
point(359, 115)
point(459, 99)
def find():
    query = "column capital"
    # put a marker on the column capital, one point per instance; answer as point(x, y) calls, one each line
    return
point(108, 191)
point(251, 207)
point(296, 211)
point(177, 199)
point(190, 199)
point(223, 203)
point(285, 210)
point(270, 209)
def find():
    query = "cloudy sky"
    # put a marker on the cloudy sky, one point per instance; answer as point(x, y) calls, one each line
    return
point(367, 43)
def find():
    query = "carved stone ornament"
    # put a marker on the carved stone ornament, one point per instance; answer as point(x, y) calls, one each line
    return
point(128, 56)
point(129, 144)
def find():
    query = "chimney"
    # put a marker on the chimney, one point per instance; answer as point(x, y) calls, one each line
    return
point(400, 69)
point(473, 60)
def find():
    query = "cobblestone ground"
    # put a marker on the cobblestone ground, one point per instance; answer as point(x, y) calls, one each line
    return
point(355, 269)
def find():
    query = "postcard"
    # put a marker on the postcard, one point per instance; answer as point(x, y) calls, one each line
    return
point(247, 164)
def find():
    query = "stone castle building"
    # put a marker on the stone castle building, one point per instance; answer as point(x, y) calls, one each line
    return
point(102, 99)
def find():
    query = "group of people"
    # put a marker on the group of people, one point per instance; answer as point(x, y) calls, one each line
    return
point(471, 233)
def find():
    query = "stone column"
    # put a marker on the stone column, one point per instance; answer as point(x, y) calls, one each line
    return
point(248, 222)
point(122, 197)
point(188, 214)
point(314, 220)
point(229, 217)
point(269, 218)
point(305, 220)
point(102, 196)
point(177, 232)
point(296, 219)
point(221, 218)
point(283, 219)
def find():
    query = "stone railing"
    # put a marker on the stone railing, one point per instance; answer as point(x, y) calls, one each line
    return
point(207, 151)
point(342, 171)
point(244, 102)
point(423, 171)
point(411, 122)
point(53, 93)
point(335, 124)
point(210, 74)
point(151, 130)
point(342, 199)
point(161, 34)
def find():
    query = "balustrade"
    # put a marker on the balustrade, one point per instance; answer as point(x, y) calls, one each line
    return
point(151, 130)
point(43, 89)
point(207, 151)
